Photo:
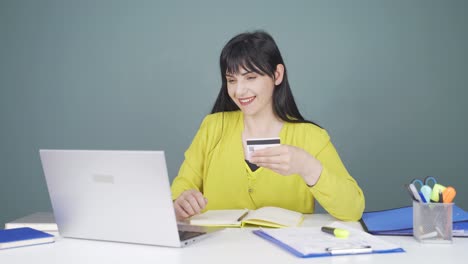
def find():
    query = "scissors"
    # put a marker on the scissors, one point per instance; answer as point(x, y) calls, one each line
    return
point(425, 190)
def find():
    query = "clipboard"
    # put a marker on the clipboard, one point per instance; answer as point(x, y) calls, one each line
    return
point(311, 242)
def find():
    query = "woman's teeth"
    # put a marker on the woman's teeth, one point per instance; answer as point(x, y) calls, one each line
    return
point(246, 101)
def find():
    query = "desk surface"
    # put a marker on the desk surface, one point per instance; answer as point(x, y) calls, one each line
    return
point(228, 246)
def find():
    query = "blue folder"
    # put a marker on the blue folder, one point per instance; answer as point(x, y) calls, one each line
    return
point(399, 222)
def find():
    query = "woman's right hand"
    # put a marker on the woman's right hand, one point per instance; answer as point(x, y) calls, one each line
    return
point(190, 202)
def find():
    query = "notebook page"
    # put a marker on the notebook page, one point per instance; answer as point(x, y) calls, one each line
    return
point(276, 215)
point(218, 218)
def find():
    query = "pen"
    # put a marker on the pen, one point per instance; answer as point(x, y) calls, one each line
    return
point(242, 216)
point(355, 250)
point(337, 232)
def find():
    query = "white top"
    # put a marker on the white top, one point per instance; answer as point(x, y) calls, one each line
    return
point(237, 246)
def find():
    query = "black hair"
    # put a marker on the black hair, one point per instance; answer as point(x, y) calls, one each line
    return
point(256, 52)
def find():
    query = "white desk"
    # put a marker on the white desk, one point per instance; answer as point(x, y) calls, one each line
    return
point(236, 246)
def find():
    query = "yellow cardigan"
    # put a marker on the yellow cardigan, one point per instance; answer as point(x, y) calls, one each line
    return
point(214, 164)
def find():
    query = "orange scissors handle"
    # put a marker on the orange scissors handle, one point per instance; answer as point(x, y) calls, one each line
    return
point(448, 194)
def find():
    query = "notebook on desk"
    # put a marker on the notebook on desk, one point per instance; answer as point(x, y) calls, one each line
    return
point(121, 196)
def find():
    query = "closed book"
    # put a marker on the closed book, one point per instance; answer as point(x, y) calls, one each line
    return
point(23, 236)
point(265, 216)
point(43, 221)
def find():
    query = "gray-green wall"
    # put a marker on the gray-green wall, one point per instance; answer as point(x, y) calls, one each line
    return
point(388, 79)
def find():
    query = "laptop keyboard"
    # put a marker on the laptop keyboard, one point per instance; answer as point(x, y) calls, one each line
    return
point(184, 235)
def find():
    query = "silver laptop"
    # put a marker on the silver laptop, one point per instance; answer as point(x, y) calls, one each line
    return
point(121, 196)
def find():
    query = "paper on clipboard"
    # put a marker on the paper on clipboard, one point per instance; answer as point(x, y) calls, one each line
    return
point(312, 242)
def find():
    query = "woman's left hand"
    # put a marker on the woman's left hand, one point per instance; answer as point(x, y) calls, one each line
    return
point(287, 160)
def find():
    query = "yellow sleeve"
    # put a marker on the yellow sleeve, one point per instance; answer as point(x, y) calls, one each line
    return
point(337, 192)
point(191, 171)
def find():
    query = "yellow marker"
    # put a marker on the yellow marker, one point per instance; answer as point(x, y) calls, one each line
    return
point(337, 232)
point(435, 192)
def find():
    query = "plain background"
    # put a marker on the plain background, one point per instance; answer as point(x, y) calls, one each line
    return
point(387, 79)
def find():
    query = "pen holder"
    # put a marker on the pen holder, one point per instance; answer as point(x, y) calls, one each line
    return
point(432, 222)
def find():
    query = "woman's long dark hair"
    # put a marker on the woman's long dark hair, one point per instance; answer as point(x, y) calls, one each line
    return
point(256, 52)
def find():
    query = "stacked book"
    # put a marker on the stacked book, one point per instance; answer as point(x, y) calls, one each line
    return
point(23, 236)
point(42, 221)
point(33, 229)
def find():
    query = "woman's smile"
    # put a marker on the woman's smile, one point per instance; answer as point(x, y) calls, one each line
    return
point(246, 101)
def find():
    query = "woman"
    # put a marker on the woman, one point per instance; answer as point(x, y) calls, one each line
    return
point(255, 101)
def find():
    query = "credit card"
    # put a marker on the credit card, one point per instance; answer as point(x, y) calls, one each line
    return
point(254, 144)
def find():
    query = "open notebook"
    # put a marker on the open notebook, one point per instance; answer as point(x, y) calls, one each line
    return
point(265, 216)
